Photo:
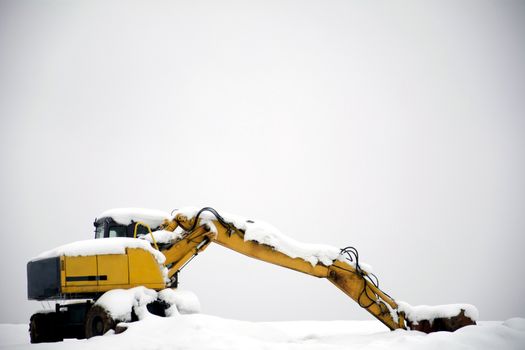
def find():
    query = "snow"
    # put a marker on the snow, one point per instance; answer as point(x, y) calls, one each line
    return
point(13, 334)
point(425, 312)
point(124, 216)
point(162, 236)
point(103, 246)
point(200, 332)
point(264, 233)
point(120, 302)
point(516, 323)
point(181, 301)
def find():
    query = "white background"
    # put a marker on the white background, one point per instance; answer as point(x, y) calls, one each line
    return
point(395, 127)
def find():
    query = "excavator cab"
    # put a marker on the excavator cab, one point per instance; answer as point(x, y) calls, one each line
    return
point(106, 227)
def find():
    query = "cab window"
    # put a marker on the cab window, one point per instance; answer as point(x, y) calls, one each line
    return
point(99, 231)
point(141, 230)
point(117, 231)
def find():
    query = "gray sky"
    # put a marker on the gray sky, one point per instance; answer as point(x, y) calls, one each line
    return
point(395, 127)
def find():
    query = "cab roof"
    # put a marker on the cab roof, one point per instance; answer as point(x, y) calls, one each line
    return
point(126, 216)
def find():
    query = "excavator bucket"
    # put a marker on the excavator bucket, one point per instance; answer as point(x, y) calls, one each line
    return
point(447, 324)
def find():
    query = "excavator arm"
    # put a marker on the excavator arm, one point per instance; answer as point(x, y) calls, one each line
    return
point(344, 272)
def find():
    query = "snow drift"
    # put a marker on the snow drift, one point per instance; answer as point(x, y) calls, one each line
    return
point(201, 332)
point(121, 302)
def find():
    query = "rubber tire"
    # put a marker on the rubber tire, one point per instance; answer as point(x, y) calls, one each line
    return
point(44, 328)
point(98, 322)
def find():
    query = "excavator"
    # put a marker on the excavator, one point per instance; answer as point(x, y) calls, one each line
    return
point(84, 271)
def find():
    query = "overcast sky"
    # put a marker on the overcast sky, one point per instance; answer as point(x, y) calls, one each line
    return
point(397, 127)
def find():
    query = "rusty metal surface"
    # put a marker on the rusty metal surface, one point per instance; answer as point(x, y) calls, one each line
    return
point(449, 324)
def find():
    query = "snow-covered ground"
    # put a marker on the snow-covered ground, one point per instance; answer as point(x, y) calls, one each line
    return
point(200, 331)
point(185, 328)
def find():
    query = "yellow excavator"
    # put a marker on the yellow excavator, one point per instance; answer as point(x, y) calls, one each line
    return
point(84, 272)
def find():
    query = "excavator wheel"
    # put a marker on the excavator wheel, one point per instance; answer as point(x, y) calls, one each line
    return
point(158, 307)
point(44, 328)
point(98, 321)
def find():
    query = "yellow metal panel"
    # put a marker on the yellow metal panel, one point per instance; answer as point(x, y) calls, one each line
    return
point(180, 249)
point(143, 268)
point(112, 269)
point(135, 268)
point(80, 270)
point(346, 278)
point(62, 271)
point(266, 253)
